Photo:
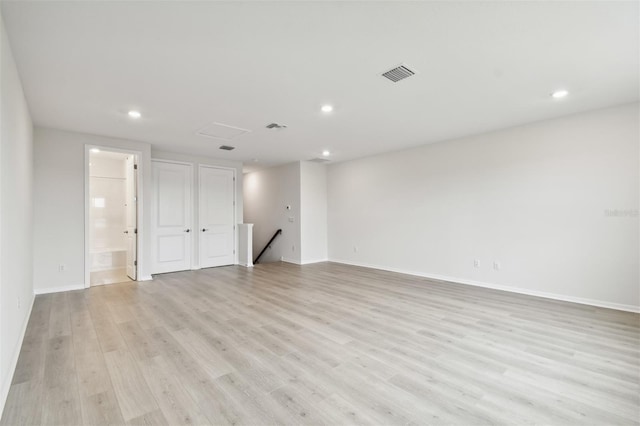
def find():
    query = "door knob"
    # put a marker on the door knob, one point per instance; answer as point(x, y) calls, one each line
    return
point(204, 230)
point(187, 230)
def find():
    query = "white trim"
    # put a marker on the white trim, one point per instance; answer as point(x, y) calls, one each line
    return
point(295, 262)
point(553, 296)
point(49, 290)
point(6, 386)
point(140, 209)
point(162, 160)
point(308, 262)
point(87, 210)
point(58, 289)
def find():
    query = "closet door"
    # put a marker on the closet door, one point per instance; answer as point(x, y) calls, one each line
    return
point(171, 217)
point(216, 217)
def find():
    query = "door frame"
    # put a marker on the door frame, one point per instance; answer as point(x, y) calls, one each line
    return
point(194, 239)
point(235, 209)
point(87, 203)
point(134, 176)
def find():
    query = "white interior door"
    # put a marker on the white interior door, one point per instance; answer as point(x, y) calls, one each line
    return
point(217, 217)
point(171, 217)
point(131, 206)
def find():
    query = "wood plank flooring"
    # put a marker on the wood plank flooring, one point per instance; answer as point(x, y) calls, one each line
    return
point(321, 344)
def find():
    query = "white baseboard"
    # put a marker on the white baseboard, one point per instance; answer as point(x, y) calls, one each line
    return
point(553, 296)
point(6, 385)
point(246, 265)
point(308, 262)
point(49, 290)
point(304, 262)
point(37, 291)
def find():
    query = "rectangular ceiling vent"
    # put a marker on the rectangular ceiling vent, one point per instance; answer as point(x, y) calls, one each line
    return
point(222, 131)
point(319, 160)
point(276, 126)
point(398, 73)
point(227, 147)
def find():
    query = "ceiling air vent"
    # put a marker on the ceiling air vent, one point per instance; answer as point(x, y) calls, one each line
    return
point(398, 73)
point(227, 147)
point(276, 126)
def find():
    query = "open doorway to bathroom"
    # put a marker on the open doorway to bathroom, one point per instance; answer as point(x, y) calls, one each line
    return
point(112, 220)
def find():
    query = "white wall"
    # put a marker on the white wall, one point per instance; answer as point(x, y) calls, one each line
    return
point(205, 161)
point(59, 215)
point(533, 198)
point(301, 185)
point(16, 196)
point(266, 195)
point(313, 212)
point(108, 165)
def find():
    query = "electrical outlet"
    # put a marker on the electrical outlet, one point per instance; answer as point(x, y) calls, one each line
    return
point(476, 263)
point(293, 248)
point(496, 265)
point(355, 249)
point(19, 304)
point(62, 267)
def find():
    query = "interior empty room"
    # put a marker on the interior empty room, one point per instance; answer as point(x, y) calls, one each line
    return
point(319, 212)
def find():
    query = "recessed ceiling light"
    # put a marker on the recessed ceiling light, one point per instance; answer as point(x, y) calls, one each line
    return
point(95, 150)
point(326, 108)
point(134, 114)
point(559, 94)
point(326, 153)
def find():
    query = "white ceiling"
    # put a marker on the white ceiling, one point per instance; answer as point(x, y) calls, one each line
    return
point(185, 65)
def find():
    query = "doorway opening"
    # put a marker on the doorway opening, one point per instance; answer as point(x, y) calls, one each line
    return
point(112, 217)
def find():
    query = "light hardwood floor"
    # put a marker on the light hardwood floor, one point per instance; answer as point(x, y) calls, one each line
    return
point(109, 276)
point(321, 344)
